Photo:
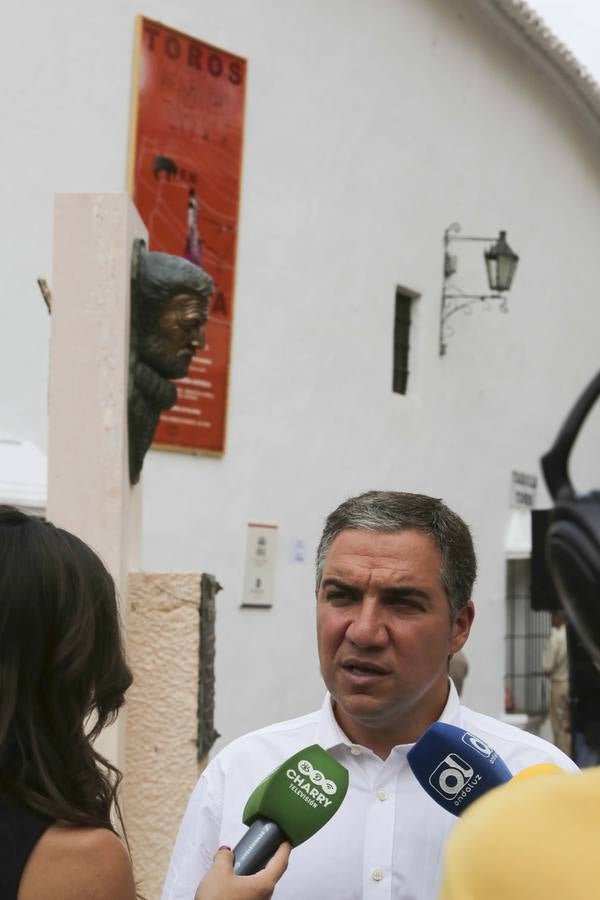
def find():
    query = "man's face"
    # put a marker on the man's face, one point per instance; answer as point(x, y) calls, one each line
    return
point(180, 334)
point(384, 633)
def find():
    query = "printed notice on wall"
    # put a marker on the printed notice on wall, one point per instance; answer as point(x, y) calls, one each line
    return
point(523, 487)
point(184, 177)
point(259, 570)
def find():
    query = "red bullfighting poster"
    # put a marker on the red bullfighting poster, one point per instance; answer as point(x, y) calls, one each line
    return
point(184, 177)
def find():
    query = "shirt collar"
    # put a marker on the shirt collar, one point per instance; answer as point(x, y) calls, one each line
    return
point(330, 735)
point(451, 711)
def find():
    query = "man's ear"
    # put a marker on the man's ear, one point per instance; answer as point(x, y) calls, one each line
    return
point(461, 626)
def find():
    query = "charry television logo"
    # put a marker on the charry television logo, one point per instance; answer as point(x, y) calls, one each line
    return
point(311, 785)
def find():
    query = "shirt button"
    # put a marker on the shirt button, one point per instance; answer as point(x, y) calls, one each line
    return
point(377, 874)
point(381, 795)
point(355, 751)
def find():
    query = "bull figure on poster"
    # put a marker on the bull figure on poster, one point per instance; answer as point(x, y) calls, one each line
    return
point(169, 309)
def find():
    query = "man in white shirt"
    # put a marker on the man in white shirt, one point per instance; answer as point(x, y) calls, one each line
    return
point(555, 662)
point(395, 573)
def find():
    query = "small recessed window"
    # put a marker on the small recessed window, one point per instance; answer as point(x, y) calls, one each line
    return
point(404, 300)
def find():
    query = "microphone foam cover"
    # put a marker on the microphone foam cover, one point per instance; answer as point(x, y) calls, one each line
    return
point(455, 767)
point(301, 795)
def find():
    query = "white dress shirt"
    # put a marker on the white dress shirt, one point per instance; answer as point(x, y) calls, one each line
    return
point(385, 841)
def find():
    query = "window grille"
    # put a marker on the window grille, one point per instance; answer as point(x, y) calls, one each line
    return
point(527, 630)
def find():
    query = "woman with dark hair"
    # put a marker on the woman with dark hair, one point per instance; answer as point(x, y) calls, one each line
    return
point(63, 677)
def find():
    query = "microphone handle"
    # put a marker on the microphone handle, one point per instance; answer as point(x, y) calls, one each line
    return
point(255, 849)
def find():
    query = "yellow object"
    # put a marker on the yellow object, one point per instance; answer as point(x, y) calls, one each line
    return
point(535, 838)
point(535, 771)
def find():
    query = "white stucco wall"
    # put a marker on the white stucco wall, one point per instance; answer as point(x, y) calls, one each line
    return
point(369, 129)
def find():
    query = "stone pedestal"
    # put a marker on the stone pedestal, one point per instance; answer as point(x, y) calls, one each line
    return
point(162, 716)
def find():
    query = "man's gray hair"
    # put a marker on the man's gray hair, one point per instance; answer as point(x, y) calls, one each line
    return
point(391, 511)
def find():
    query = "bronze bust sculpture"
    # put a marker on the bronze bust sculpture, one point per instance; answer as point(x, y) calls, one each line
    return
point(169, 309)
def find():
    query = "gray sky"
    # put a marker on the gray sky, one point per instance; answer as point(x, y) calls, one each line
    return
point(577, 24)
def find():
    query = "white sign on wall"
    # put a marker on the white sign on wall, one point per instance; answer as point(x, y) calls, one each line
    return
point(523, 487)
point(298, 550)
point(259, 569)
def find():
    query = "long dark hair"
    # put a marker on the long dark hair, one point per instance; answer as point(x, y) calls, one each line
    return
point(63, 673)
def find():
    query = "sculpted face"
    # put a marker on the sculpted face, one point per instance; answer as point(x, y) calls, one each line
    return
point(180, 334)
point(385, 635)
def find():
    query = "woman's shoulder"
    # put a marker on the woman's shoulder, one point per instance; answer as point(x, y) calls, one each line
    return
point(76, 863)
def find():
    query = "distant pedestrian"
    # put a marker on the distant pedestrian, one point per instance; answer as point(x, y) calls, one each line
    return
point(458, 670)
point(555, 662)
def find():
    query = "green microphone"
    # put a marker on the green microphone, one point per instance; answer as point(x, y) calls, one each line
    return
point(291, 804)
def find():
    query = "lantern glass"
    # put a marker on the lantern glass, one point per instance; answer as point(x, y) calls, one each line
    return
point(501, 263)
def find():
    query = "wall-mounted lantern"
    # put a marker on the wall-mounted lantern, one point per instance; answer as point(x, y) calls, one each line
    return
point(501, 263)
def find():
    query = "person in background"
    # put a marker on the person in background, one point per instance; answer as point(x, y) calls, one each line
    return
point(555, 662)
point(458, 669)
point(584, 696)
point(63, 677)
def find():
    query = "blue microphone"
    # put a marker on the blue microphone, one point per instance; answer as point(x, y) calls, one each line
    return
point(455, 767)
